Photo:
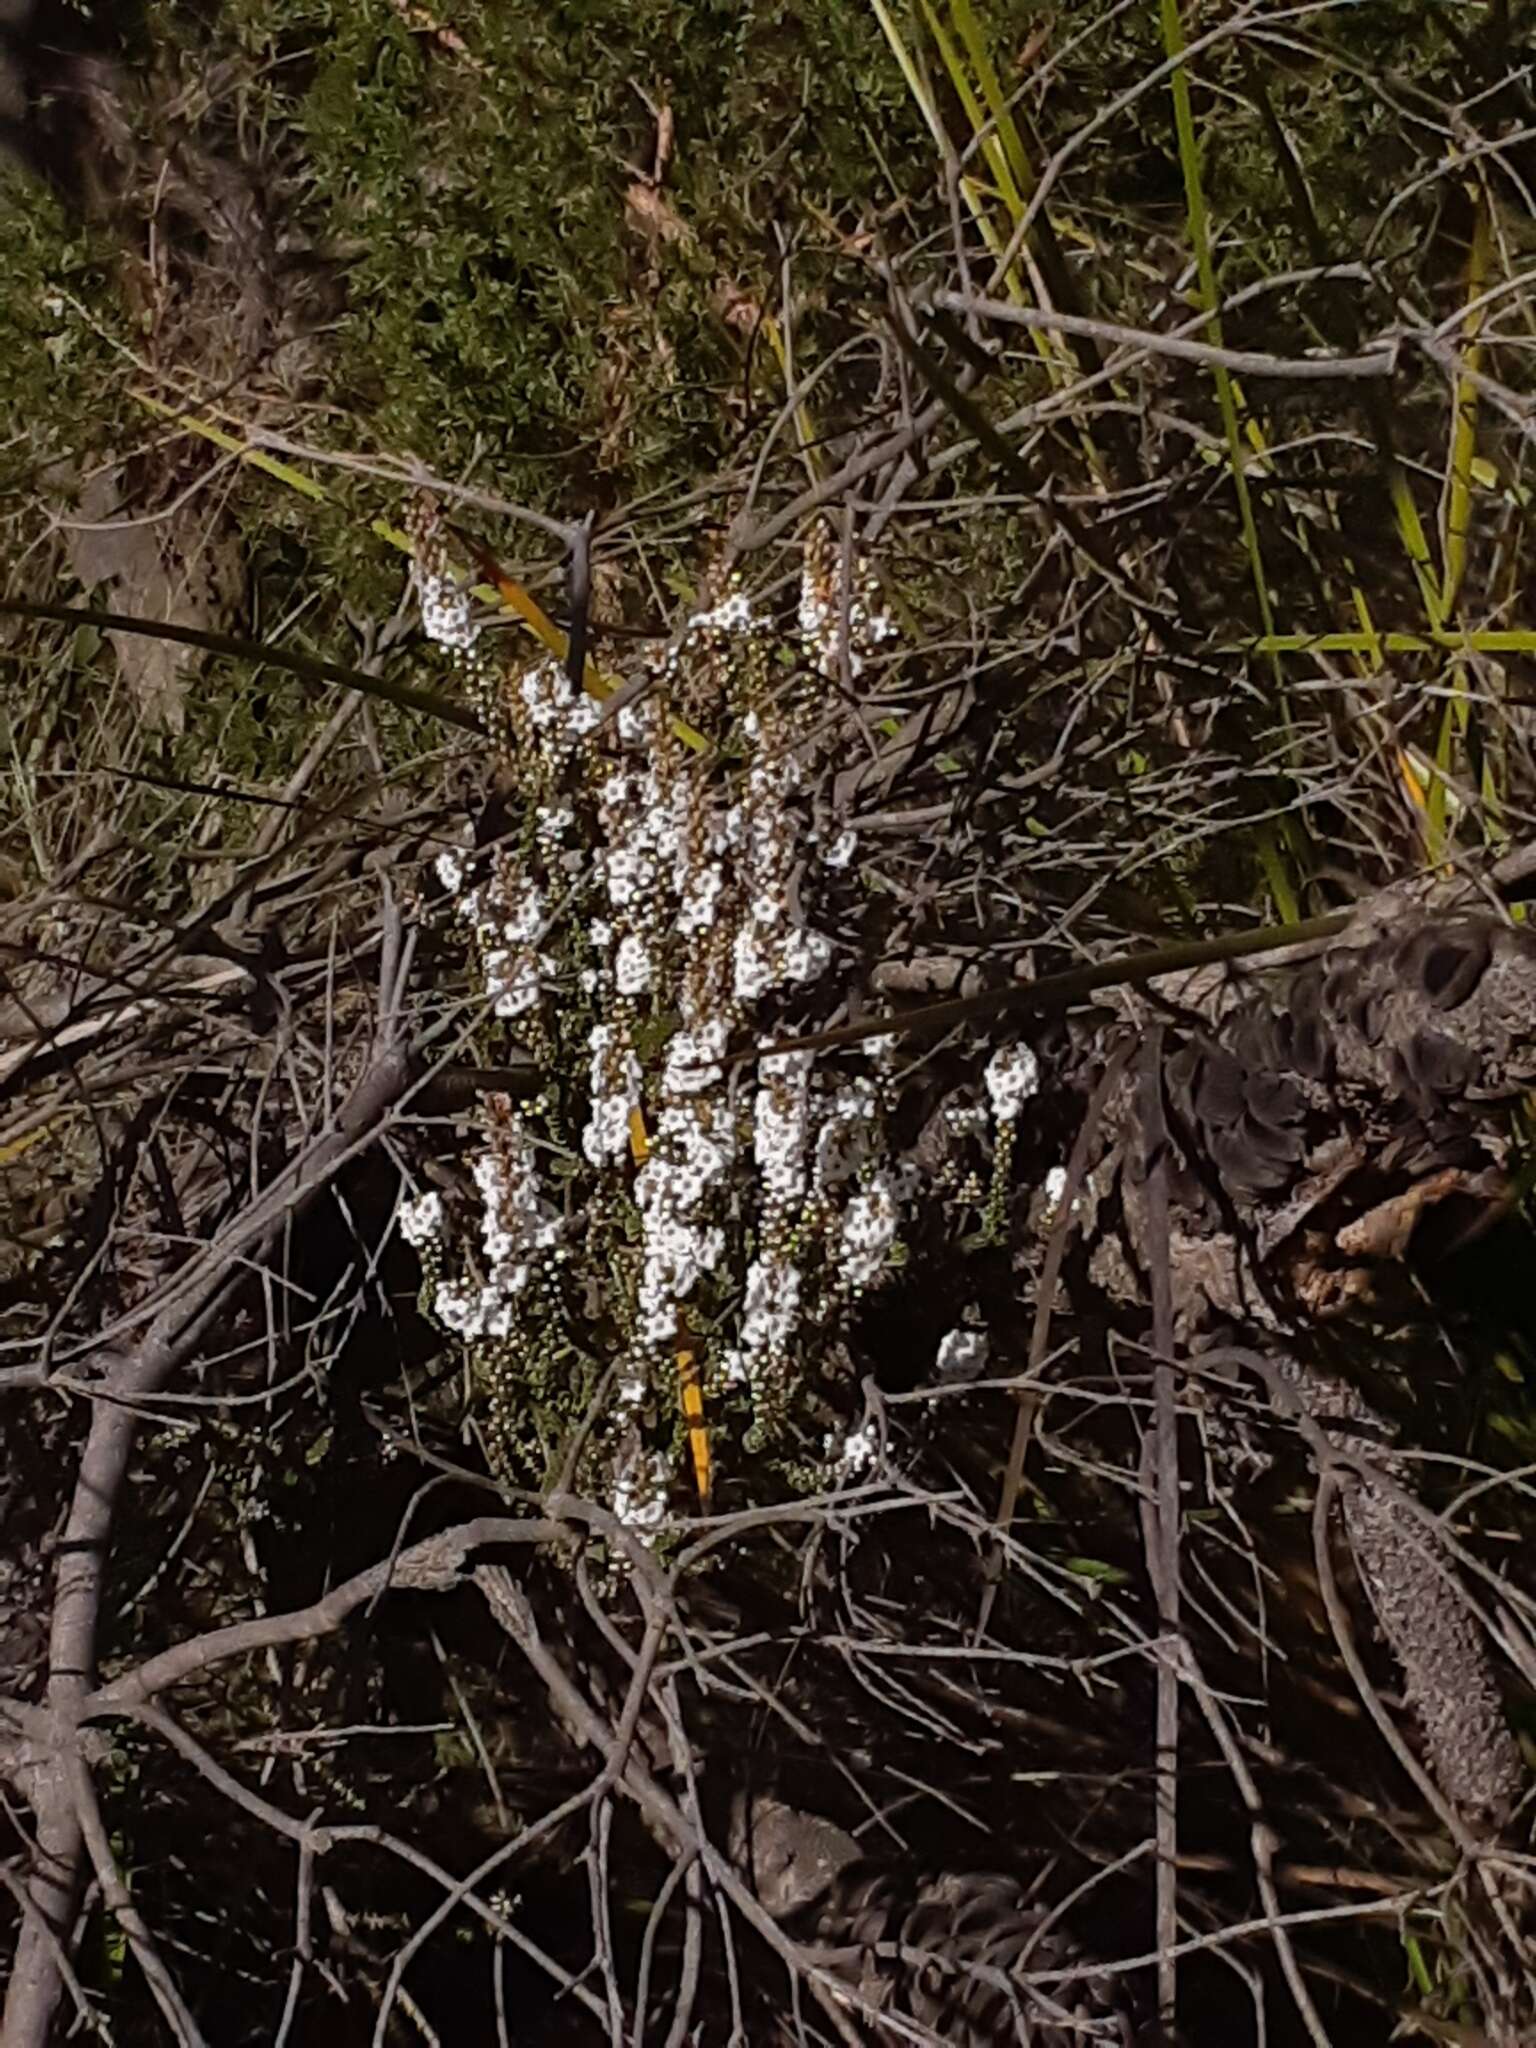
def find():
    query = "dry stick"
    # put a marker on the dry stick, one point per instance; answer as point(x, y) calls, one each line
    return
point(579, 601)
point(86, 1017)
point(118, 1901)
point(1108, 111)
point(34, 1989)
point(747, 539)
point(462, 1891)
point(691, 1967)
point(1045, 1302)
point(303, 1942)
point(308, 668)
point(663, 1817)
point(434, 1564)
point(303, 1833)
point(86, 2014)
point(502, 1596)
point(653, 1920)
point(692, 1963)
point(976, 423)
point(1379, 362)
point(406, 475)
point(1163, 1559)
point(192, 1298)
point(1060, 991)
point(600, 1828)
point(1262, 1841)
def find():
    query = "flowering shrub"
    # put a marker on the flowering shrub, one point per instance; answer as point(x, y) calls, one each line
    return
point(669, 1211)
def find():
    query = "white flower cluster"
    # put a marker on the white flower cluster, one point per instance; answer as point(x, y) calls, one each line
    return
point(508, 916)
point(724, 871)
point(823, 624)
point(680, 1181)
point(516, 1225)
point(640, 1490)
point(869, 1230)
point(688, 1163)
point(555, 709)
point(694, 880)
point(640, 838)
point(771, 950)
point(855, 1453)
point(698, 915)
point(963, 1354)
point(421, 1221)
point(811, 1143)
point(781, 1126)
point(615, 1097)
point(1053, 1191)
point(770, 1313)
point(447, 610)
point(733, 614)
point(1013, 1076)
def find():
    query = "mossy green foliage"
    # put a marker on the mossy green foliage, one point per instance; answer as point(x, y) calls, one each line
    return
point(62, 333)
point(508, 304)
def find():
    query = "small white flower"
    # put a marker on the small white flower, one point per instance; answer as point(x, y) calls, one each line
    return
point(772, 1304)
point(840, 853)
point(628, 871)
point(1013, 1076)
point(422, 1220)
point(634, 722)
point(640, 1492)
point(733, 614)
point(699, 897)
point(607, 1132)
point(806, 955)
point(963, 1354)
point(693, 1058)
point(631, 1389)
point(525, 918)
point(856, 1453)
point(457, 1309)
point(446, 612)
point(551, 701)
point(632, 968)
point(513, 982)
point(787, 1066)
point(868, 1232)
point(451, 868)
point(753, 967)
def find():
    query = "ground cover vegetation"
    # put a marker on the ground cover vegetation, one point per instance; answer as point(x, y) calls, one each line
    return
point(765, 1021)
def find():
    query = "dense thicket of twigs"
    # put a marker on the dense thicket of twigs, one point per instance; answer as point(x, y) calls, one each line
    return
point(1210, 581)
